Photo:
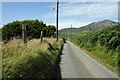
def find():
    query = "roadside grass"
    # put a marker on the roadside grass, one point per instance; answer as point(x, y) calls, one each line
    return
point(31, 60)
point(103, 45)
point(108, 58)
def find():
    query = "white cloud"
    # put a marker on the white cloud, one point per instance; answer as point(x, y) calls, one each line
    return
point(50, 24)
point(67, 23)
point(80, 14)
point(1, 26)
point(92, 9)
point(75, 23)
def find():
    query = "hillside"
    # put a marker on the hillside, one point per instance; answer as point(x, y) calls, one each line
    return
point(67, 32)
point(100, 25)
point(101, 41)
point(95, 26)
point(104, 45)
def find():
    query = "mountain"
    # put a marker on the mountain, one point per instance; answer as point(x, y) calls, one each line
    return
point(100, 25)
point(87, 28)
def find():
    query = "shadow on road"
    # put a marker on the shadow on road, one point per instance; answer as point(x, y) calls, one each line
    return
point(58, 69)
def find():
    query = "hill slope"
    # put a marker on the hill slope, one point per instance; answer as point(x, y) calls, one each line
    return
point(100, 39)
point(104, 45)
point(100, 25)
point(95, 26)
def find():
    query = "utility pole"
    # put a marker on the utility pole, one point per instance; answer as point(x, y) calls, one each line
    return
point(71, 32)
point(57, 20)
point(24, 34)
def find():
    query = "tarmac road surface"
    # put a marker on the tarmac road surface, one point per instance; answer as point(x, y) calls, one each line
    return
point(77, 64)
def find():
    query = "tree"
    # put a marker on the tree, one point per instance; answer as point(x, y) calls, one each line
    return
point(34, 27)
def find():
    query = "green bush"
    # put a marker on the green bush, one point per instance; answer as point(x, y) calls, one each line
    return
point(33, 28)
point(104, 44)
point(113, 43)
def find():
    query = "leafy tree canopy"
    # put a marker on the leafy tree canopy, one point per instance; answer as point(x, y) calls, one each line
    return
point(33, 29)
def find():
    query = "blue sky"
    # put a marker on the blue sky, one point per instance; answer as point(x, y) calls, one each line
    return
point(70, 13)
point(60, 0)
point(26, 10)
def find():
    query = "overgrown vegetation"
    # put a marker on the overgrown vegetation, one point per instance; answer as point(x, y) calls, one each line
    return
point(33, 28)
point(104, 45)
point(31, 60)
point(72, 32)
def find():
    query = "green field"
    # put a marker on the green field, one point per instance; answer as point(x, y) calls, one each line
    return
point(71, 33)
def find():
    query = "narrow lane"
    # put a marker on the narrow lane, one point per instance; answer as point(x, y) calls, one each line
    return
point(77, 64)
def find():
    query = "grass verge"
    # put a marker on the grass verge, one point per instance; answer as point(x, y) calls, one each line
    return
point(31, 60)
point(101, 55)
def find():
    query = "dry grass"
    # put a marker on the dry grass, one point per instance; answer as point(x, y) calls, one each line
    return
point(16, 46)
point(19, 57)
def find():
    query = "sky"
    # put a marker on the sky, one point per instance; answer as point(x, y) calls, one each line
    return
point(76, 14)
point(60, 0)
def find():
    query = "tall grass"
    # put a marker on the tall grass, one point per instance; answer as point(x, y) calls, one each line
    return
point(31, 60)
point(103, 45)
point(107, 58)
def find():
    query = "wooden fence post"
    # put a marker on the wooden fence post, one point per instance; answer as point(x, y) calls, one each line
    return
point(24, 33)
point(41, 36)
